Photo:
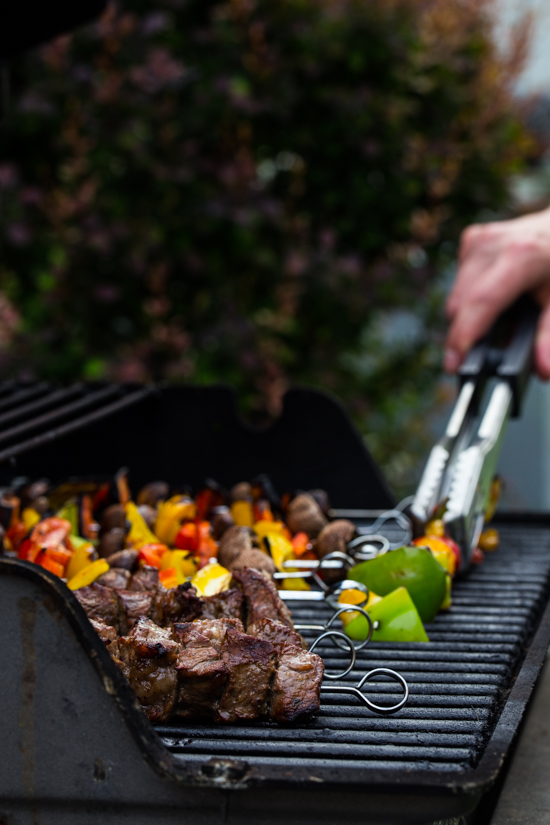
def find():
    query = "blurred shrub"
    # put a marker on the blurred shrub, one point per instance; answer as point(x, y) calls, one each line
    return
point(254, 191)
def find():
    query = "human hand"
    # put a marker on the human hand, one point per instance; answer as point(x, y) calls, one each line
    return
point(498, 262)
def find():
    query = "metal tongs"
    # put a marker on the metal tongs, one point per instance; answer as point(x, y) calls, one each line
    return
point(462, 464)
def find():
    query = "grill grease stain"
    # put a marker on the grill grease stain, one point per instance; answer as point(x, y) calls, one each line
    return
point(25, 718)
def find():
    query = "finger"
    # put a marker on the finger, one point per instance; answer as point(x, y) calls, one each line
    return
point(542, 344)
point(468, 275)
point(479, 249)
point(498, 287)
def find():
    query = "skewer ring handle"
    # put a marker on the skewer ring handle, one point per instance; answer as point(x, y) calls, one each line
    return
point(340, 637)
point(385, 671)
point(352, 608)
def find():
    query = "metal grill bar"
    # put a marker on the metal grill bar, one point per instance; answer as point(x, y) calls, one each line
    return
point(42, 403)
point(76, 423)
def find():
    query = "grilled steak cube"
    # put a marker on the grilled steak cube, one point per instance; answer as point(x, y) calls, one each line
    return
point(226, 605)
point(149, 656)
point(146, 578)
point(179, 604)
point(108, 636)
point(261, 597)
point(137, 604)
point(277, 633)
point(201, 674)
point(251, 665)
point(115, 578)
point(102, 603)
point(215, 629)
point(295, 692)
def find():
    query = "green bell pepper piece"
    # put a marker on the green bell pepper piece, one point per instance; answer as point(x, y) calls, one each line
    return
point(397, 618)
point(412, 567)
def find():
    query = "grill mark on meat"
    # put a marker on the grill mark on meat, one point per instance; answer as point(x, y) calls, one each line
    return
point(149, 656)
point(261, 597)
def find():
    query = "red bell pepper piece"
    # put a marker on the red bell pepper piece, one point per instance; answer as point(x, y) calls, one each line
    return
point(151, 554)
point(188, 537)
point(53, 566)
point(301, 544)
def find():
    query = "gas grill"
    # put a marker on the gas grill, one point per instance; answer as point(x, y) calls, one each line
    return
point(75, 744)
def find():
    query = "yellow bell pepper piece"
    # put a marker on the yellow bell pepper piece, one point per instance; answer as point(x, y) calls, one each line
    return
point(356, 597)
point(139, 532)
point(81, 558)
point(295, 584)
point(268, 528)
point(30, 518)
point(171, 515)
point(88, 574)
point(243, 514)
point(435, 527)
point(211, 579)
point(280, 549)
point(182, 561)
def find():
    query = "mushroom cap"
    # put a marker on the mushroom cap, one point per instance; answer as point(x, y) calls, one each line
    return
point(305, 516)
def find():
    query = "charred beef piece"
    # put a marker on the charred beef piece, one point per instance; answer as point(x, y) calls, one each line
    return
point(149, 656)
point(137, 604)
point(261, 597)
point(179, 604)
point(202, 674)
point(108, 636)
point(224, 674)
point(295, 692)
point(216, 630)
point(116, 578)
point(251, 664)
point(146, 578)
point(226, 605)
point(276, 633)
point(102, 604)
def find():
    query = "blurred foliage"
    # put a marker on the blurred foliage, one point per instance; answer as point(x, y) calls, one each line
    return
point(259, 192)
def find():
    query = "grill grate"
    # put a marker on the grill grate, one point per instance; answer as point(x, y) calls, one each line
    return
point(33, 414)
point(458, 681)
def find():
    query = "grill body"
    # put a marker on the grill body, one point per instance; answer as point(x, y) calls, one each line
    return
point(75, 745)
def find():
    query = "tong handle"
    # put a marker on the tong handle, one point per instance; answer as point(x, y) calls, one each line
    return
point(514, 361)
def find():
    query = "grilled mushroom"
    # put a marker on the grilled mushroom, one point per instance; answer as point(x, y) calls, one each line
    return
point(305, 515)
point(235, 541)
point(254, 558)
point(335, 537)
point(153, 492)
point(111, 542)
point(126, 559)
point(113, 516)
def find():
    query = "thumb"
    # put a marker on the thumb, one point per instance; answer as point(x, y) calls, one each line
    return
point(542, 344)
